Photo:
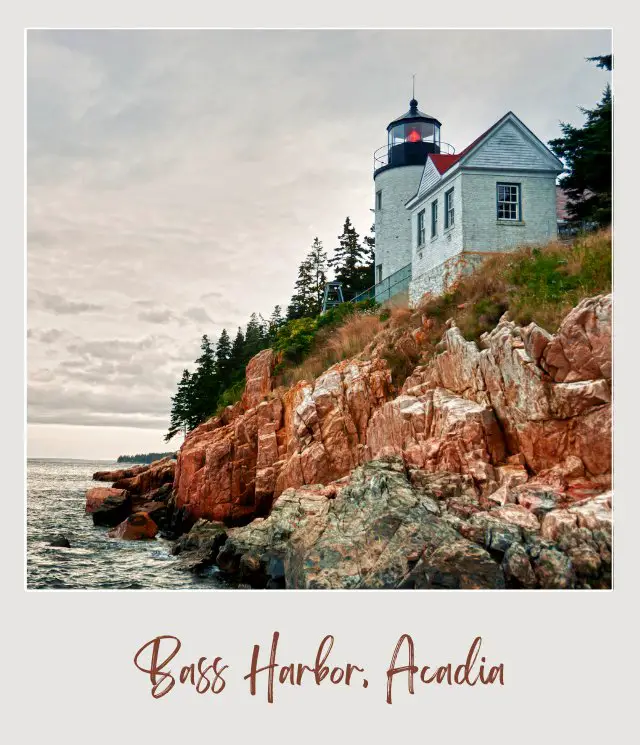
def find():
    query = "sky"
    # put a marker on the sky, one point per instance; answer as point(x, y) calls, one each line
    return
point(176, 179)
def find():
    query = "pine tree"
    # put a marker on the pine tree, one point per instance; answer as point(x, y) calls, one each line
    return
point(368, 274)
point(181, 407)
point(223, 360)
point(309, 287)
point(253, 338)
point(302, 299)
point(586, 152)
point(275, 322)
point(317, 259)
point(205, 384)
point(236, 361)
point(348, 261)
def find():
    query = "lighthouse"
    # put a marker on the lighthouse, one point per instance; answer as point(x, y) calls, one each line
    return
point(398, 168)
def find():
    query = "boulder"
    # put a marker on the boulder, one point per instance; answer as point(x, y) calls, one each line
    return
point(60, 541)
point(113, 510)
point(96, 496)
point(376, 531)
point(137, 527)
point(122, 473)
point(158, 474)
point(199, 547)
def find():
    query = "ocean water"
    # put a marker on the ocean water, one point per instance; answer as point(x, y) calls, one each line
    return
point(55, 504)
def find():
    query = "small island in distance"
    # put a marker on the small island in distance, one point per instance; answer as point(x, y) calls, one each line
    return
point(144, 457)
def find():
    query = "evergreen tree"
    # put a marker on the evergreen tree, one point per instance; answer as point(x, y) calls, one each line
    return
point(237, 356)
point(586, 152)
point(302, 300)
point(349, 261)
point(369, 271)
point(275, 322)
point(309, 288)
point(317, 259)
point(253, 338)
point(224, 370)
point(181, 405)
point(204, 383)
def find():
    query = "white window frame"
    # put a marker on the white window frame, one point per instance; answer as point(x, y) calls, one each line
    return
point(421, 231)
point(379, 199)
point(508, 201)
point(449, 211)
point(434, 218)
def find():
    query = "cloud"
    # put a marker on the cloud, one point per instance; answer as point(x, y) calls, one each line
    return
point(172, 189)
point(60, 305)
point(199, 315)
point(157, 316)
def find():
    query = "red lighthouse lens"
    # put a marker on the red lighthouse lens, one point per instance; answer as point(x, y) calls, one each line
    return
point(414, 136)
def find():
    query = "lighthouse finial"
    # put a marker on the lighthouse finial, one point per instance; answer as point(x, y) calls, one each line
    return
point(413, 88)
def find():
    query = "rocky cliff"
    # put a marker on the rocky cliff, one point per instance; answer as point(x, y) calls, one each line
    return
point(522, 404)
point(489, 467)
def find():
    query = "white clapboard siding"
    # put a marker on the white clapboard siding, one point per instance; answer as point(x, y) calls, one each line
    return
point(430, 176)
point(508, 148)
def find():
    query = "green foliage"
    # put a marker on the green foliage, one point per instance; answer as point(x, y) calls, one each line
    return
point(351, 262)
point(230, 396)
point(309, 287)
point(543, 276)
point(218, 378)
point(534, 284)
point(144, 457)
point(586, 152)
point(295, 339)
point(339, 313)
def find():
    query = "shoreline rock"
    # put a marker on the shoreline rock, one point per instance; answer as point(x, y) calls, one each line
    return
point(389, 528)
point(489, 468)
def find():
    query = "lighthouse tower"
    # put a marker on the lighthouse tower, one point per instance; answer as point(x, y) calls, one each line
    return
point(398, 167)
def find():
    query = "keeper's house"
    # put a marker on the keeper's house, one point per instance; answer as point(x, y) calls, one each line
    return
point(438, 213)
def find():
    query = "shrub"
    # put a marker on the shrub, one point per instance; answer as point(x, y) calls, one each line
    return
point(400, 364)
point(295, 339)
point(230, 396)
point(335, 345)
point(540, 283)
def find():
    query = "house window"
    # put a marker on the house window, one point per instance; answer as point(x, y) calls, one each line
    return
point(421, 228)
point(508, 201)
point(378, 200)
point(434, 218)
point(448, 209)
point(379, 274)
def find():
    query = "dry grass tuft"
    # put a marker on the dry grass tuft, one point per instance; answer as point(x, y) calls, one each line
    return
point(339, 344)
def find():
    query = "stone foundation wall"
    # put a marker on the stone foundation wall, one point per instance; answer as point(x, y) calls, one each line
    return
point(442, 278)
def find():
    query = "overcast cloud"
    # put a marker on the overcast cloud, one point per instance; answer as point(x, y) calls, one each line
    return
point(177, 178)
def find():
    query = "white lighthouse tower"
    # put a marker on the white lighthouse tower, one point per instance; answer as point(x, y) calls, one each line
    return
point(398, 167)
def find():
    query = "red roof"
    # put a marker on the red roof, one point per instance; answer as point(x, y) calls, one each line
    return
point(444, 162)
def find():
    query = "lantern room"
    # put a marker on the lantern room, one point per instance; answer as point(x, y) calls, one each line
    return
point(411, 137)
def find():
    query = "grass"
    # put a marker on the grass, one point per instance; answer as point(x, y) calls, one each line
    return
point(335, 345)
point(539, 283)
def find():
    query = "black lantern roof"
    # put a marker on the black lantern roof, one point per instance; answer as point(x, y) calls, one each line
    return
point(413, 115)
